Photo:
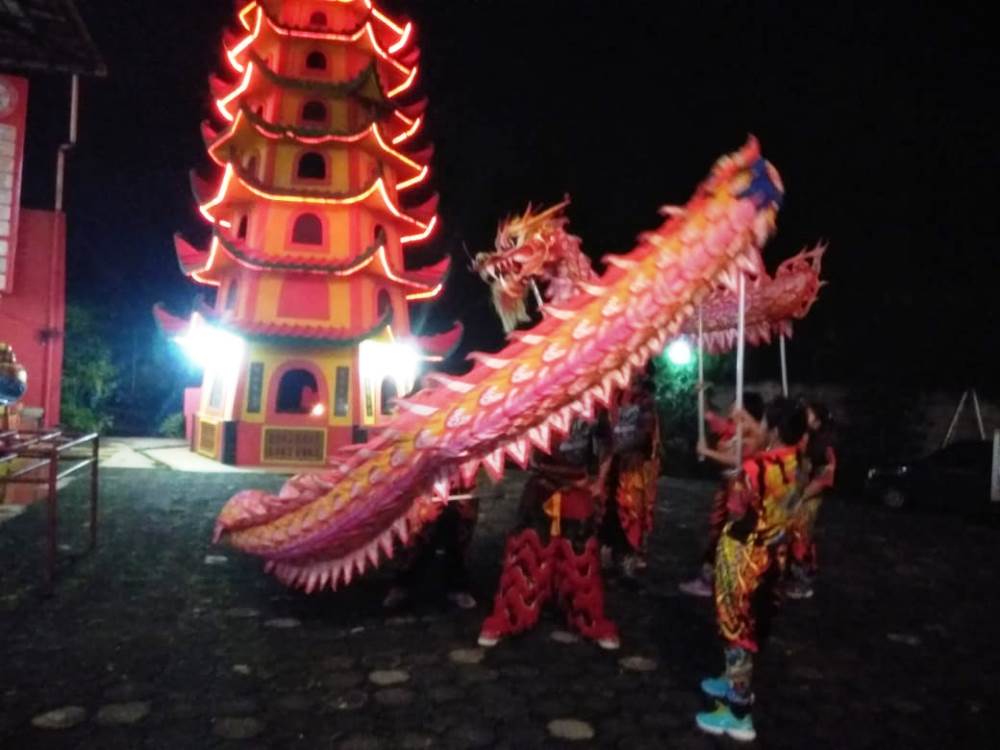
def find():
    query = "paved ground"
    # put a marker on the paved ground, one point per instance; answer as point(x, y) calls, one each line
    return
point(160, 640)
point(151, 453)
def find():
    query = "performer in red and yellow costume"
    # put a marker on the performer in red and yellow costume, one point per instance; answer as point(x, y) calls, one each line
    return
point(628, 521)
point(748, 565)
point(820, 461)
point(749, 419)
point(554, 552)
point(537, 258)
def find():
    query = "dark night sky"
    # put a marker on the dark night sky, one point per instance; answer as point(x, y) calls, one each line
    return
point(882, 123)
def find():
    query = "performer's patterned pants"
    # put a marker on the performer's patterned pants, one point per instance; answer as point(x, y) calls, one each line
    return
point(802, 542)
point(716, 522)
point(745, 600)
point(551, 556)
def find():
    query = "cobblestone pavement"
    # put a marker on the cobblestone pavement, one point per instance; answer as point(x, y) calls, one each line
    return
point(160, 640)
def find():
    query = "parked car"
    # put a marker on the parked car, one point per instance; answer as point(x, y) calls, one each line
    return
point(961, 476)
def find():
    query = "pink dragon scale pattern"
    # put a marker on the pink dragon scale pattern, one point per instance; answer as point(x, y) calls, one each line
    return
point(772, 304)
point(323, 529)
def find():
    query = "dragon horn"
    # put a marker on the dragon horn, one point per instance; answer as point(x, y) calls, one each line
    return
point(551, 211)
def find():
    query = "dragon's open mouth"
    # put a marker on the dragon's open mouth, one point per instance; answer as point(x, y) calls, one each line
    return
point(501, 271)
point(323, 529)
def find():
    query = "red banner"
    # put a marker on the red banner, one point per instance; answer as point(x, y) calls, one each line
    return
point(13, 116)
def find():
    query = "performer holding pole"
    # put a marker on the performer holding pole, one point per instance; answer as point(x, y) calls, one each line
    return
point(745, 440)
point(747, 567)
point(820, 468)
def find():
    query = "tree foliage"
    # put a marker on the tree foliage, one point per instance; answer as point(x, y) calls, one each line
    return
point(677, 403)
point(89, 373)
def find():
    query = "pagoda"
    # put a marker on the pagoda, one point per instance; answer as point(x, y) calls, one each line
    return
point(321, 194)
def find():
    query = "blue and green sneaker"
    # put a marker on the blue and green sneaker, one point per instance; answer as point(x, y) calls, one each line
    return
point(721, 721)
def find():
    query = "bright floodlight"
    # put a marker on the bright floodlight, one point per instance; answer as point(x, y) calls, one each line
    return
point(679, 353)
point(210, 347)
point(396, 360)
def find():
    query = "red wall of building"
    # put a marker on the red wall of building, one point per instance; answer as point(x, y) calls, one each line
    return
point(32, 316)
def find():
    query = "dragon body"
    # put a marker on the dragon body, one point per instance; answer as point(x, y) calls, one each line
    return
point(773, 303)
point(323, 529)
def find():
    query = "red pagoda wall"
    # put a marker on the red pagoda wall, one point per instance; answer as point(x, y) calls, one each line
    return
point(32, 316)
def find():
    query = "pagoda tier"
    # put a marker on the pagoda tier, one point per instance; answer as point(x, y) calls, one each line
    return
point(227, 255)
point(381, 140)
point(435, 345)
point(322, 189)
point(365, 184)
point(276, 46)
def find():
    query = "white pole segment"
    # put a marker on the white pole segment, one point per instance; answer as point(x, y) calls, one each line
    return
point(784, 367)
point(701, 380)
point(740, 352)
point(538, 295)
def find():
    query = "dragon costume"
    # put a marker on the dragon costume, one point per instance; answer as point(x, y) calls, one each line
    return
point(536, 255)
point(324, 528)
point(773, 303)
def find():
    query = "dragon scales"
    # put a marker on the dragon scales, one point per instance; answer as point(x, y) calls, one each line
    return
point(322, 529)
point(772, 304)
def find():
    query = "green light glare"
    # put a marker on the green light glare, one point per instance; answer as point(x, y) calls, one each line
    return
point(679, 353)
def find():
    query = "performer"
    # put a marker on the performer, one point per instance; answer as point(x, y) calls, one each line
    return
point(448, 536)
point(820, 462)
point(553, 553)
point(750, 420)
point(628, 520)
point(747, 565)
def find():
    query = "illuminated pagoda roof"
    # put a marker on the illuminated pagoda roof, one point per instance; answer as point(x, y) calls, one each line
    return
point(439, 344)
point(379, 140)
point(48, 36)
point(239, 187)
point(421, 283)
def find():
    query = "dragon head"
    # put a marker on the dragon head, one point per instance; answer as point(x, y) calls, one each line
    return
point(531, 249)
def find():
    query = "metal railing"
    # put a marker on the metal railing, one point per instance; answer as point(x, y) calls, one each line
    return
point(41, 456)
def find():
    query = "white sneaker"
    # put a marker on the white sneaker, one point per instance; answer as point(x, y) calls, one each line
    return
point(462, 599)
point(609, 643)
point(697, 587)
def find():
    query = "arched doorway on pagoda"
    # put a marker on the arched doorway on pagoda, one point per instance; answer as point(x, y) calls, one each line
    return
point(295, 429)
point(296, 388)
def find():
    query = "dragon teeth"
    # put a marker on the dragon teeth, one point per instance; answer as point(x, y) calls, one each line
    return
point(541, 437)
point(520, 451)
point(372, 553)
point(494, 463)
